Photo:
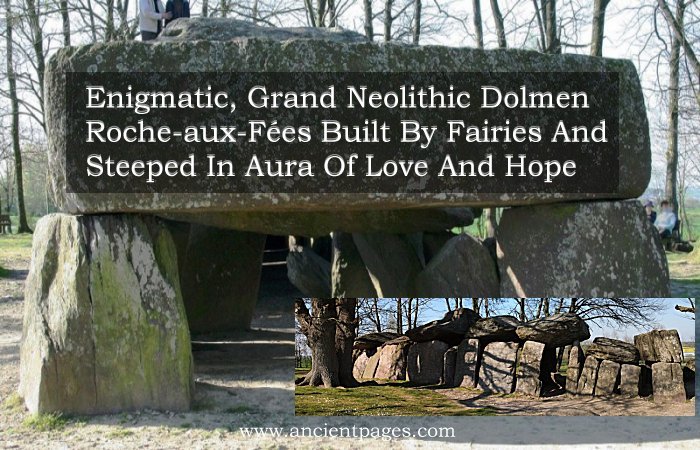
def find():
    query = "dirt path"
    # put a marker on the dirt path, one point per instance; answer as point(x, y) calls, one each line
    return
point(565, 405)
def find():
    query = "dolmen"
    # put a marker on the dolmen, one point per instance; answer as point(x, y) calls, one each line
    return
point(119, 282)
point(501, 355)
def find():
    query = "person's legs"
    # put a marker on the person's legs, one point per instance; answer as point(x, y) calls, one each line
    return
point(148, 35)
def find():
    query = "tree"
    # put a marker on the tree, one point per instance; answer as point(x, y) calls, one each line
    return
point(598, 27)
point(14, 104)
point(330, 333)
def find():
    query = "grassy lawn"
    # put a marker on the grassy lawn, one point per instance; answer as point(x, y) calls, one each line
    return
point(384, 400)
point(12, 247)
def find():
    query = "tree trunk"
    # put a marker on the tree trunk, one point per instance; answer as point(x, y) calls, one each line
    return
point(498, 19)
point(369, 29)
point(598, 32)
point(416, 20)
point(671, 187)
point(320, 332)
point(65, 17)
point(14, 105)
point(388, 19)
point(490, 222)
point(345, 334)
point(478, 27)
point(38, 47)
point(205, 8)
point(549, 12)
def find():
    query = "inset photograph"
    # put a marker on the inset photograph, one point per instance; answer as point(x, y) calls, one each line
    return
point(495, 357)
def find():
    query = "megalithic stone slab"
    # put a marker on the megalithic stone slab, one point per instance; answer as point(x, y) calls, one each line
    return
point(349, 277)
point(392, 362)
point(573, 371)
point(467, 363)
point(425, 362)
point(609, 247)
point(462, 267)
point(391, 261)
point(448, 369)
point(105, 328)
point(613, 350)
point(309, 272)
point(589, 376)
point(498, 365)
point(358, 368)
point(629, 380)
point(534, 368)
point(608, 378)
point(659, 346)
point(371, 366)
point(230, 46)
point(555, 330)
point(667, 381)
point(220, 278)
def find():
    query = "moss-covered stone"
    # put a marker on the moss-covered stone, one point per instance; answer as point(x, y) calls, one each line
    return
point(104, 326)
point(596, 249)
point(206, 45)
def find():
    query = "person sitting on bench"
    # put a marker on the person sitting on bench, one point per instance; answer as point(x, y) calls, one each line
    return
point(665, 220)
point(651, 214)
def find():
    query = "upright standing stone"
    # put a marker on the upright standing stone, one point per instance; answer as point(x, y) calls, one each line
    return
point(589, 376)
point(629, 380)
point(349, 277)
point(448, 370)
point(425, 362)
point(371, 366)
point(105, 328)
point(573, 371)
point(608, 378)
point(610, 246)
point(534, 368)
point(498, 367)
point(358, 368)
point(309, 272)
point(392, 361)
point(391, 261)
point(667, 380)
point(463, 266)
point(220, 277)
point(467, 363)
point(659, 346)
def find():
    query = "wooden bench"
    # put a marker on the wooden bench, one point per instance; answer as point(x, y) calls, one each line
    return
point(5, 224)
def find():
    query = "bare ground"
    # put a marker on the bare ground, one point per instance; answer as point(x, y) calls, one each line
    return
point(566, 405)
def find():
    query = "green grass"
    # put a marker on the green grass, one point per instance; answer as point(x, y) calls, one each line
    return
point(45, 422)
point(13, 402)
point(383, 400)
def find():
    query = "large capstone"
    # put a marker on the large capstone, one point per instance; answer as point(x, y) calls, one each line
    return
point(371, 341)
point(463, 266)
point(614, 350)
point(610, 246)
point(556, 330)
point(659, 346)
point(220, 278)
point(211, 45)
point(451, 328)
point(496, 328)
point(105, 328)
